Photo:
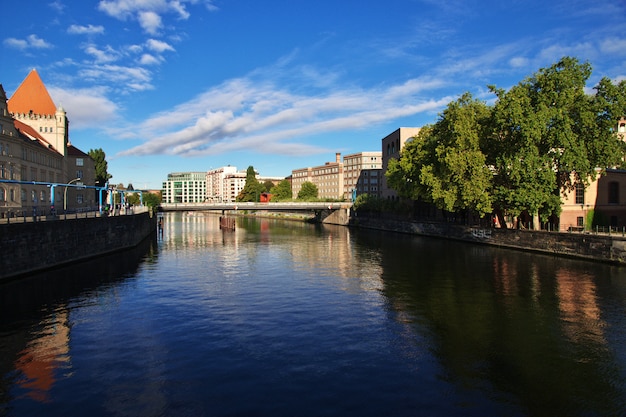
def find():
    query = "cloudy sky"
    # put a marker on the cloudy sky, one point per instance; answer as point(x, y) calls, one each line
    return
point(188, 85)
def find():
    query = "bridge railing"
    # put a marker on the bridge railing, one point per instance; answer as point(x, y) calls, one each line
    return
point(296, 205)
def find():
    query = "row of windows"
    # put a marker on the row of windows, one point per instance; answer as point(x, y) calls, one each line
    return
point(31, 155)
point(41, 196)
point(44, 129)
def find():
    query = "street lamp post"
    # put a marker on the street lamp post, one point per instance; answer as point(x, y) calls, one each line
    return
point(65, 195)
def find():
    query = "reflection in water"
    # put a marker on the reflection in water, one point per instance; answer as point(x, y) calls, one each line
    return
point(35, 326)
point(520, 327)
point(42, 358)
point(286, 318)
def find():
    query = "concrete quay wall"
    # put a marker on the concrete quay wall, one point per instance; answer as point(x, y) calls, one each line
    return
point(603, 248)
point(36, 246)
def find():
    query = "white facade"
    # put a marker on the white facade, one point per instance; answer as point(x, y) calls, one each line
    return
point(185, 187)
point(216, 185)
point(233, 184)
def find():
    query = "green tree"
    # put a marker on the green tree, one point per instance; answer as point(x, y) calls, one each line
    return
point(403, 175)
point(455, 175)
point(101, 166)
point(549, 135)
point(282, 191)
point(152, 199)
point(132, 198)
point(252, 189)
point(308, 191)
point(444, 164)
point(267, 186)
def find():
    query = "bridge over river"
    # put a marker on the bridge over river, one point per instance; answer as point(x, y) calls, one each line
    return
point(327, 212)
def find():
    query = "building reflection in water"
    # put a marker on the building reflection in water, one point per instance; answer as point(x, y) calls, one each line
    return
point(45, 357)
point(35, 319)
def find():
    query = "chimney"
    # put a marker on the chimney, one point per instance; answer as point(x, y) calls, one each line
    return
point(338, 157)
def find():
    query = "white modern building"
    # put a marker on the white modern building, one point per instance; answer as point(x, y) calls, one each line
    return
point(185, 187)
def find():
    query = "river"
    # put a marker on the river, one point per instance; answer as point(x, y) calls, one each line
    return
point(282, 318)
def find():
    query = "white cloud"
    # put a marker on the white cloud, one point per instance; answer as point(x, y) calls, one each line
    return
point(31, 42)
point(149, 13)
point(150, 22)
point(85, 107)
point(613, 46)
point(147, 59)
point(85, 30)
point(102, 56)
point(245, 113)
point(158, 46)
point(134, 78)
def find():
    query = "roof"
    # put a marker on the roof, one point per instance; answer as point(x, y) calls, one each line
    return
point(31, 95)
point(28, 132)
point(74, 151)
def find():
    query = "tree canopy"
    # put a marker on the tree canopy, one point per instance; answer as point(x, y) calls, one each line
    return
point(101, 166)
point(308, 191)
point(282, 191)
point(252, 189)
point(539, 139)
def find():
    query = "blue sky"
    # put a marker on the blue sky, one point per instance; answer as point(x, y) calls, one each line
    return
point(188, 85)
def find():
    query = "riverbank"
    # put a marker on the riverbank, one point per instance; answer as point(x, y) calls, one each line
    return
point(36, 246)
point(602, 248)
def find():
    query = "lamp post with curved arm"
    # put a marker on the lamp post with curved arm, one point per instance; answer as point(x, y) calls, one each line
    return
point(65, 195)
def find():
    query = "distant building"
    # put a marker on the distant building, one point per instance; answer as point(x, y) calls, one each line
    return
point(216, 185)
point(392, 144)
point(35, 147)
point(362, 174)
point(185, 187)
point(328, 178)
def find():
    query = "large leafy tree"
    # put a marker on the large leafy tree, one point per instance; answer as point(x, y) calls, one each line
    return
point(454, 172)
point(540, 139)
point(281, 191)
point(101, 166)
point(444, 164)
point(252, 189)
point(549, 135)
point(308, 191)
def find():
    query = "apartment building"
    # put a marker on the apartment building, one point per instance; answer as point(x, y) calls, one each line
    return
point(328, 178)
point(362, 174)
point(216, 185)
point(185, 187)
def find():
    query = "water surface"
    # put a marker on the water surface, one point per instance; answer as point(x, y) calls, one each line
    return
point(288, 319)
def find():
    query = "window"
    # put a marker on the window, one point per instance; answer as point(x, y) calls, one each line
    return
point(614, 192)
point(580, 193)
point(79, 173)
point(79, 162)
point(580, 222)
point(3, 196)
point(79, 198)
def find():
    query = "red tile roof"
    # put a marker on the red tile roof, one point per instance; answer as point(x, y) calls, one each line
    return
point(28, 131)
point(31, 95)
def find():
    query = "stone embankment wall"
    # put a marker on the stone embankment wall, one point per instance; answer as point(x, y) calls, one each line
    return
point(604, 248)
point(36, 246)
